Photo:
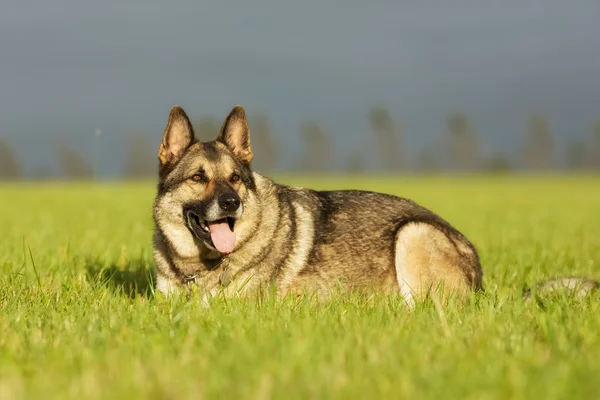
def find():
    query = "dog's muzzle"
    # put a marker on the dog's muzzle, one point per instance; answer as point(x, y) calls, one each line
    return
point(216, 228)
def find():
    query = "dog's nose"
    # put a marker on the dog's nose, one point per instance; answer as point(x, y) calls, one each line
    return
point(229, 202)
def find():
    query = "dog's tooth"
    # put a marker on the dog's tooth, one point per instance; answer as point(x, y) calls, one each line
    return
point(203, 226)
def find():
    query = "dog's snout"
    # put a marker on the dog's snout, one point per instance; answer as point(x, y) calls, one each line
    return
point(229, 201)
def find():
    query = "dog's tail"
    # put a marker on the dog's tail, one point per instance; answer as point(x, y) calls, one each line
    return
point(578, 287)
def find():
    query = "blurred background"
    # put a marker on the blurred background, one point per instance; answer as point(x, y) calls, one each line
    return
point(330, 87)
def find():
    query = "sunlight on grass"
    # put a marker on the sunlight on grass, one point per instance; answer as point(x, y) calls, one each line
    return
point(84, 323)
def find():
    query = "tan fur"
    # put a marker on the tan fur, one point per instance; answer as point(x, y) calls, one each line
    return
point(426, 259)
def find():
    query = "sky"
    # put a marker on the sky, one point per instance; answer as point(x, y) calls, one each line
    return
point(68, 68)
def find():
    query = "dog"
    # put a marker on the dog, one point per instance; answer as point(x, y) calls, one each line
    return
point(226, 229)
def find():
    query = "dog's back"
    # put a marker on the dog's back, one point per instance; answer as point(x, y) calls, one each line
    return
point(363, 239)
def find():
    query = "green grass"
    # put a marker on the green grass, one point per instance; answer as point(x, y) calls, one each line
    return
point(78, 318)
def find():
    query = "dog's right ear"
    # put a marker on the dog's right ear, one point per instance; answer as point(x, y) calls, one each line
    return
point(178, 136)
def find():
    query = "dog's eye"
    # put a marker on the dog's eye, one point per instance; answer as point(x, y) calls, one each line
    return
point(198, 178)
point(235, 178)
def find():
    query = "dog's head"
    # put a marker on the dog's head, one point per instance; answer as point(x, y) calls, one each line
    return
point(207, 187)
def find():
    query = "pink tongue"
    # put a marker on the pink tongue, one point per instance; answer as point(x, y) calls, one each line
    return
point(222, 237)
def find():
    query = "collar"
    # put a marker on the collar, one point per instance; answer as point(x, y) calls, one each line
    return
point(224, 276)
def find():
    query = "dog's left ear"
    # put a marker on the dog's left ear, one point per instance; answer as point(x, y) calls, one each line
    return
point(235, 134)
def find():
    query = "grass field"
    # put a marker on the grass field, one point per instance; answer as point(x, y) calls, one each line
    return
point(78, 318)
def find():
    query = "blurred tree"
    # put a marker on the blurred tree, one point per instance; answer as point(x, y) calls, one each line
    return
point(42, 173)
point(463, 146)
point(317, 154)
point(576, 155)
point(9, 167)
point(388, 138)
point(140, 160)
point(595, 148)
point(264, 146)
point(427, 160)
point(539, 150)
point(73, 165)
point(498, 163)
point(207, 128)
point(355, 163)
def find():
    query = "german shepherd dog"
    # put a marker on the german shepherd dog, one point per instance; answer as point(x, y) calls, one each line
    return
point(226, 229)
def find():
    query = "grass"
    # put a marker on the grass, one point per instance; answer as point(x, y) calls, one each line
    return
point(78, 318)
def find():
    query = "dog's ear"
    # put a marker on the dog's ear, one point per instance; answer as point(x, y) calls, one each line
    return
point(178, 136)
point(235, 134)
